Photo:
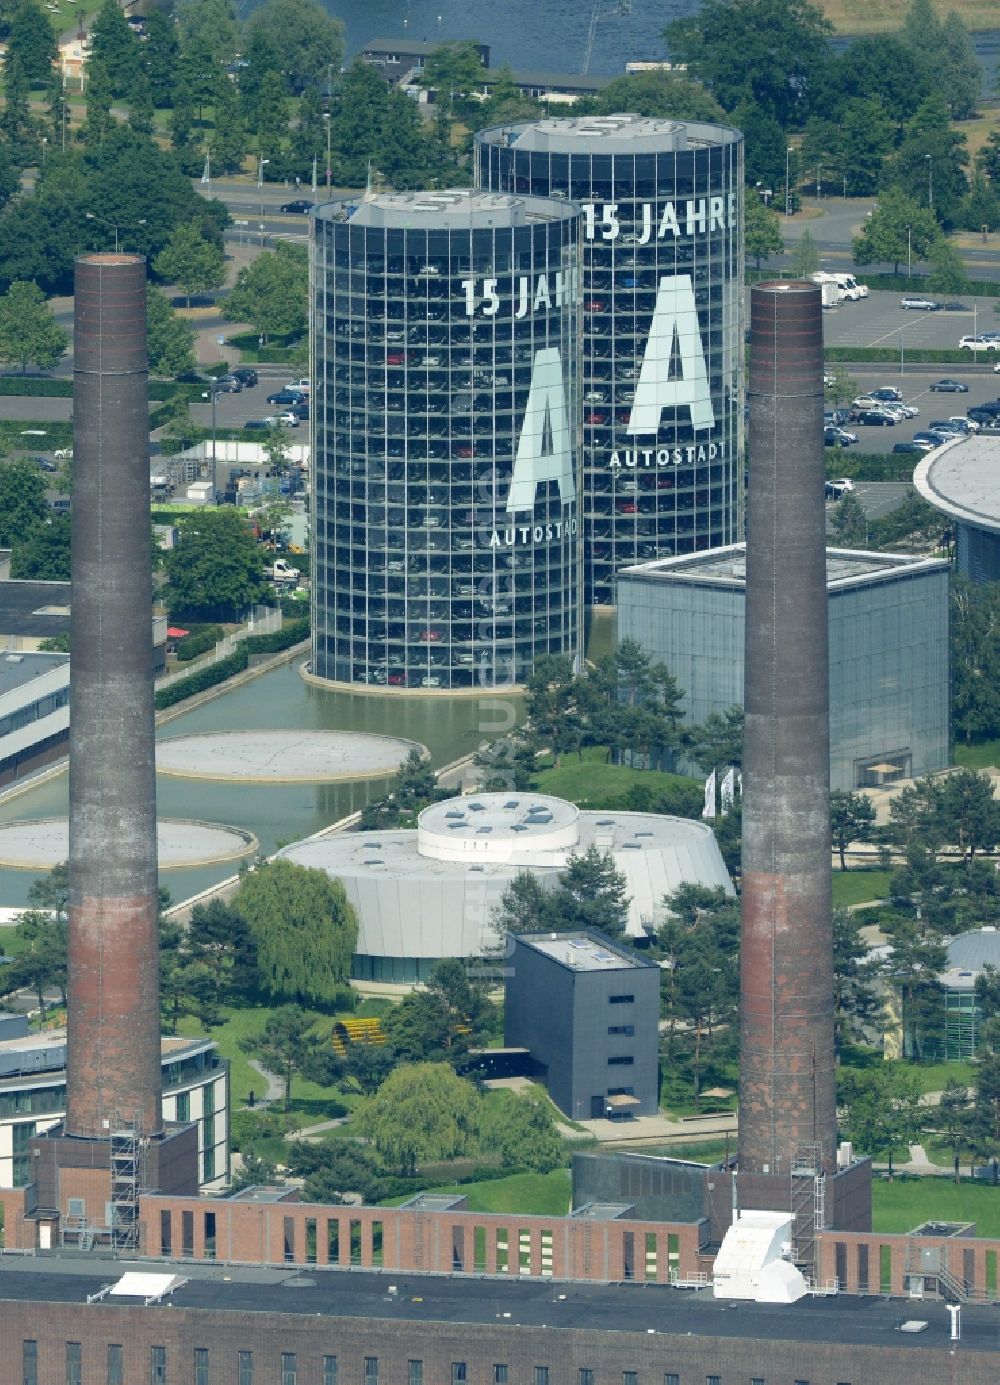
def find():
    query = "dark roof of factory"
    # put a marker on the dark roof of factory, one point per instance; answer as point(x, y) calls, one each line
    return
point(36, 610)
point(392, 1297)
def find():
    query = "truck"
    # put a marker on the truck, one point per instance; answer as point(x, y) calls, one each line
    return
point(831, 294)
point(847, 286)
point(282, 571)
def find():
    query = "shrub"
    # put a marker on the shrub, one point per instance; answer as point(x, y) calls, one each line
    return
point(198, 641)
point(292, 633)
point(204, 678)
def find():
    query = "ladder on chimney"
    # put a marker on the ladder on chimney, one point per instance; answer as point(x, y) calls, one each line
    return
point(808, 1203)
point(128, 1179)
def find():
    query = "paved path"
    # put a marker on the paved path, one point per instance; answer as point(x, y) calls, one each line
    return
point(275, 1088)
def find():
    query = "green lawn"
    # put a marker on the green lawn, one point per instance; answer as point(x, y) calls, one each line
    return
point(541, 1194)
point(859, 886)
point(904, 1203)
point(986, 755)
point(591, 782)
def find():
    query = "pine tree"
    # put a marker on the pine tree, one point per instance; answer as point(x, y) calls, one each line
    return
point(31, 44)
point(140, 107)
point(99, 121)
point(15, 121)
point(160, 54)
point(228, 145)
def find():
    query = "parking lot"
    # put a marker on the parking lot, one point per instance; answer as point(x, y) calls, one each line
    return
point(914, 384)
point(878, 320)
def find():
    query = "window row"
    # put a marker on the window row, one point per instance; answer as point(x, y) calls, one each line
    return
point(201, 1360)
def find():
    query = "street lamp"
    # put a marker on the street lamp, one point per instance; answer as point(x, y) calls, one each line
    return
point(909, 253)
point(819, 182)
point(92, 216)
point(261, 165)
point(329, 170)
point(930, 181)
point(788, 191)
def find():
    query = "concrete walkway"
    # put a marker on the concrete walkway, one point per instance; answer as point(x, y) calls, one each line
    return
point(274, 1087)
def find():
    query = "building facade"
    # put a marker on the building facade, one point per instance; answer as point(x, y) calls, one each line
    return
point(446, 438)
point(663, 311)
point(435, 892)
point(34, 712)
point(587, 1010)
point(33, 1097)
point(888, 614)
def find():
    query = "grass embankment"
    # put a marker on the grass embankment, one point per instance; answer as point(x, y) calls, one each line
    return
point(985, 755)
point(881, 16)
point(859, 887)
point(591, 782)
point(531, 1194)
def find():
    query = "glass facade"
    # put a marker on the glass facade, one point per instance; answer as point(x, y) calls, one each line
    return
point(888, 623)
point(663, 310)
point(446, 438)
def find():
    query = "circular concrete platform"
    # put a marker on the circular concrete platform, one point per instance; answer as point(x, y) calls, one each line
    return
point(41, 843)
point(282, 757)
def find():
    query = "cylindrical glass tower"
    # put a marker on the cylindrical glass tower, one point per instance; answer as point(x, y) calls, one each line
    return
point(447, 438)
point(662, 386)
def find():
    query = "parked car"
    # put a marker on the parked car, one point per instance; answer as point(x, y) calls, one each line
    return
point(836, 418)
point(836, 490)
point(299, 206)
point(228, 384)
point(286, 419)
point(838, 437)
point(285, 396)
point(256, 424)
point(875, 418)
point(954, 307)
point(948, 425)
point(980, 343)
point(246, 375)
point(926, 305)
point(934, 438)
point(914, 447)
point(887, 393)
point(948, 386)
point(46, 463)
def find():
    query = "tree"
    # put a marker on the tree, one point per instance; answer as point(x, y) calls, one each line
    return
point(115, 47)
point(980, 208)
point(41, 959)
point(421, 1111)
point(31, 44)
point(98, 122)
point(169, 339)
point(699, 944)
point(948, 273)
point(308, 40)
point(882, 1110)
point(10, 180)
point(418, 1029)
point(141, 110)
point(524, 905)
point(856, 1002)
point(521, 1128)
point(898, 230)
point(762, 230)
point(590, 894)
point(852, 817)
point(216, 570)
point(769, 52)
point(42, 554)
point(29, 333)
point(455, 72)
point(849, 527)
point(866, 133)
point(191, 260)
point(718, 741)
point(269, 122)
point(367, 1066)
point(969, 813)
point(17, 125)
point(912, 967)
point(22, 501)
point(975, 659)
point(805, 256)
point(210, 24)
point(282, 1045)
point(304, 929)
point(272, 293)
point(955, 1121)
point(160, 55)
point(930, 162)
point(959, 73)
point(229, 142)
point(219, 939)
point(657, 93)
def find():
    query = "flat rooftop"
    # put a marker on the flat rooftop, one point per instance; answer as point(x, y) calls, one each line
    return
point(609, 134)
point(960, 479)
point(727, 567)
point(38, 610)
point(581, 952)
point(640, 1308)
point(19, 668)
point(451, 210)
point(520, 816)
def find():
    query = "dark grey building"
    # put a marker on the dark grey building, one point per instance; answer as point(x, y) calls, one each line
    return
point(888, 620)
point(587, 1010)
point(447, 438)
point(662, 202)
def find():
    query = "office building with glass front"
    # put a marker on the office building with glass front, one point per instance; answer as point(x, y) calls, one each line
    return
point(447, 438)
point(888, 622)
point(662, 202)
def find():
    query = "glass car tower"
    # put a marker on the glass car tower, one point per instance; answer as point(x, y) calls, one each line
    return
point(447, 438)
point(663, 336)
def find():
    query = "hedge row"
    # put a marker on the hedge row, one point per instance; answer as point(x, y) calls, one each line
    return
point(870, 466)
point(899, 283)
point(204, 678)
point(34, 385)
point(198, 642)
point(292, 633)
point(948, 355)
